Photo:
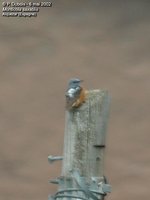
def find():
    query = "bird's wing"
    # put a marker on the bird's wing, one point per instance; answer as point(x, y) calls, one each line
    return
point(72, 95)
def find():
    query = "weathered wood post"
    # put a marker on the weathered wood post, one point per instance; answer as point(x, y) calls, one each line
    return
point(84, 139)
point(84, 146)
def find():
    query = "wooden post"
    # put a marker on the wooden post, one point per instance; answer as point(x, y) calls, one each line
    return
point(85, 131)
point(84, 145)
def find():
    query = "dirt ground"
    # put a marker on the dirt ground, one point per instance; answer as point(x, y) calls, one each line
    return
point(106, 43)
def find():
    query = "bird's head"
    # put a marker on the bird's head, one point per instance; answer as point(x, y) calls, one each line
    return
point(75, 82)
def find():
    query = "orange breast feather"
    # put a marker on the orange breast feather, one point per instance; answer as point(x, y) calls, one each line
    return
point(80, 100)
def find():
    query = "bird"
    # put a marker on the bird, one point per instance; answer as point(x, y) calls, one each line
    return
point(75, 94)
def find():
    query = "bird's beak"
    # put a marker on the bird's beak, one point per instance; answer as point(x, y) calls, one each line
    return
point(81, 80)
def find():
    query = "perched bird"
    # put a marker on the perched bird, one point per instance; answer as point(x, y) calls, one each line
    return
point(75, 94)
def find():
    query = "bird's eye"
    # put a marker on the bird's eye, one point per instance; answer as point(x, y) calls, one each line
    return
point(76, 81)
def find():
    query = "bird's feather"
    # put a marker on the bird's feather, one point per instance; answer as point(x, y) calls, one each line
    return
point(72, 95)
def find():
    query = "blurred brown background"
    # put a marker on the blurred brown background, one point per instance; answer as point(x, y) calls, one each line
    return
point(106, 43)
